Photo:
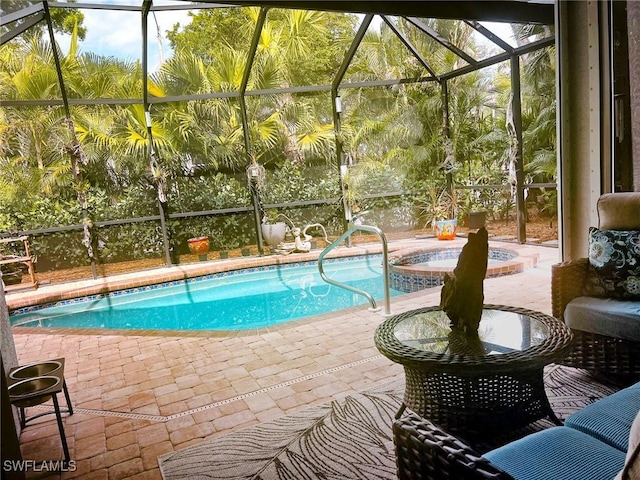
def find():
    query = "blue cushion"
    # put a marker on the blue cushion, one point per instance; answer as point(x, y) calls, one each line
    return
point(558, 453)
point(610, 418)
point(604, 316)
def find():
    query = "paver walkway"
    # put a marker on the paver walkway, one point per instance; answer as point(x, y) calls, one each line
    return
point(140, 396)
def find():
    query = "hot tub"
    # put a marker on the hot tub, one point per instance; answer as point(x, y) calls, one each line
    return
point(420, 268)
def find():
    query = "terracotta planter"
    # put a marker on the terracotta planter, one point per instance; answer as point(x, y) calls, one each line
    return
point(446, 229)
point(199, 245)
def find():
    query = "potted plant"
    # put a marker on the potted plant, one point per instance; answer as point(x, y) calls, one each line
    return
point(273, 231)
point(473, 211)
point(199, 246)
point(441, 210)
point(476, 219)
point(12, 272)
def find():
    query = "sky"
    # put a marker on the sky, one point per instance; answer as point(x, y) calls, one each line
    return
point(118, 33)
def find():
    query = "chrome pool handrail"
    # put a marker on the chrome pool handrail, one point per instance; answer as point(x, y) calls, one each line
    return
point(385, 266)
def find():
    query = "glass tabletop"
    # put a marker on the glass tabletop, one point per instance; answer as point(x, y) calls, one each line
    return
point(500, 332)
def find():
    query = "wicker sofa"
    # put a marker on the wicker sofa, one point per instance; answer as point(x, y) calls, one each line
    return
point(604, 319)
point(599, 442)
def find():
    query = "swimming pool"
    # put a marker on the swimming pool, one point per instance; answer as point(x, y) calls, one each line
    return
point(240, 300)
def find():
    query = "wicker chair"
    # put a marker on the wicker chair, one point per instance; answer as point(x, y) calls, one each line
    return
point(425, 452)
point(592, 351)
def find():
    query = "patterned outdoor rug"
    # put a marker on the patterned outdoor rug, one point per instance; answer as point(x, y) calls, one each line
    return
point(345, 439)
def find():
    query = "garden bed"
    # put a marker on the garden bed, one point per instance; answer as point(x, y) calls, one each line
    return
point(540, 229)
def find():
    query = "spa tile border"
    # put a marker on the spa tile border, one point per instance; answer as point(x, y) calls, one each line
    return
point(411, 277)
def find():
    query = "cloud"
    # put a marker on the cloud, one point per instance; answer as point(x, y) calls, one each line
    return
point(117, 33)
point(113, 33)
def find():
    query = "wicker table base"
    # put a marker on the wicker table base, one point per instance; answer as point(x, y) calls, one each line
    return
point(494, 387)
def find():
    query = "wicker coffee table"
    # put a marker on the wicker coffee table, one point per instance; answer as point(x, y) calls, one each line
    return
point(475, 388)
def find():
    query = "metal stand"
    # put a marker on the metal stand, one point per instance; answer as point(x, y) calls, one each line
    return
point(34, 384)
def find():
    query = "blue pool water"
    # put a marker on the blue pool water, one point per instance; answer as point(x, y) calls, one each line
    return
point(231, 301)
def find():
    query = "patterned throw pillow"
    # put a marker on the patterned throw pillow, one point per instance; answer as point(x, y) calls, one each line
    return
point(614, 264)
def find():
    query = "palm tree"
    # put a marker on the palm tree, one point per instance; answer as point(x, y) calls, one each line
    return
point(539, 114)
point(34, 139)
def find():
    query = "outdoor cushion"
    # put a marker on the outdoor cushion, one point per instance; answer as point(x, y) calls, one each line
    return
point(631, 468)
point(604, 316)
point(558, 453)
point(610, 418)
point(614, 264)
point(619, 211)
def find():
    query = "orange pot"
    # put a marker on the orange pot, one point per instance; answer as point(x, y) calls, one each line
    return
point(198, 246)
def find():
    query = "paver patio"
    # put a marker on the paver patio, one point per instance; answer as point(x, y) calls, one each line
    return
point(140, 396)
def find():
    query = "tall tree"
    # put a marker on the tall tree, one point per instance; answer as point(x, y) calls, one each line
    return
point(296, 47)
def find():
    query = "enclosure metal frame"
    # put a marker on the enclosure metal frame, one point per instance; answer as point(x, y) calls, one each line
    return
point(34, 14)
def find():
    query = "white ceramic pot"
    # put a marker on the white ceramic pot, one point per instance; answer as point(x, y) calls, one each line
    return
point(273, 233)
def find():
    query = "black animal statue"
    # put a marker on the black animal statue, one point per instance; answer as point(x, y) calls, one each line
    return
point(462, 295)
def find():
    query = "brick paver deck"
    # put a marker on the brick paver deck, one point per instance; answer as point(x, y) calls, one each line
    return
point(143, 395)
